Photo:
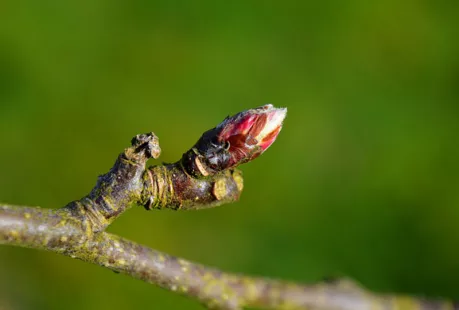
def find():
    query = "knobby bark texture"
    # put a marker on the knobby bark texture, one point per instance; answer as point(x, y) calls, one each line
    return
point(206, 176)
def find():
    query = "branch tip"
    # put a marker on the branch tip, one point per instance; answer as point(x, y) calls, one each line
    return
point(148, 143)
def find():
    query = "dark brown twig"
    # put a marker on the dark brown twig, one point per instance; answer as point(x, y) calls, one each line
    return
point(206, 176)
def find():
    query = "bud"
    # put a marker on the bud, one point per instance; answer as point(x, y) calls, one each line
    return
point(237, 140)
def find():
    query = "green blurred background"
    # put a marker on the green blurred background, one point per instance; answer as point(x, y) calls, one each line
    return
point(363, 180)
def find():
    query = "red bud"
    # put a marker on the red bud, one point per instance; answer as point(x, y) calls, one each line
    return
point(237, 140)
point(251, 132)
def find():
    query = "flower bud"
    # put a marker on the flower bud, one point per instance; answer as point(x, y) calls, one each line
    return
point(237, 140)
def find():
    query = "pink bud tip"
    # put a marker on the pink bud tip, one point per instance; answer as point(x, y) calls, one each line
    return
point(237, 140)
point(251, 132)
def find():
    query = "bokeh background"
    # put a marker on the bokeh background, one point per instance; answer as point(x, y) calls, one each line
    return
point(362, 182)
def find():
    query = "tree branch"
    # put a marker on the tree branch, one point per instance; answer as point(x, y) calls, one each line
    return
point(204, 177)
point(56, 231)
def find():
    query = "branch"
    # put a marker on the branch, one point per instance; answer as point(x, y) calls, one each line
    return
point(204, 177)
point(56, 231)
